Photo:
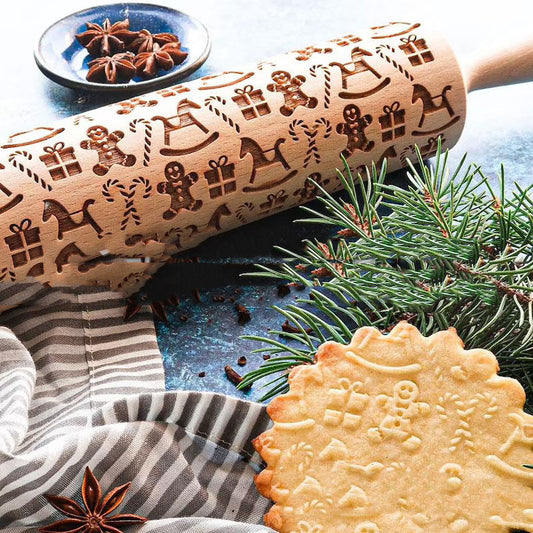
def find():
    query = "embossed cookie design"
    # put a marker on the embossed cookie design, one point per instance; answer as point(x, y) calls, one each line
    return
point(399, 433)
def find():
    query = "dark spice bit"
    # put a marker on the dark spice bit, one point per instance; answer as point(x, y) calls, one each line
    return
point(184, 318)
point(234, 377)
point(289, 328)
point(242, 361)
point(243, 314)
point(283, 290)
point(174, 300)
point(266, 357)
point(219, 299)
point(297, 286)
point(201, 374)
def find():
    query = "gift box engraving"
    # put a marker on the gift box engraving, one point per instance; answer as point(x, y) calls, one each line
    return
point(221, 178)
point(273, 202)
point(24, 244)
point(392, 122)
point(416, 50)
point(60, 161)
point(251, 102)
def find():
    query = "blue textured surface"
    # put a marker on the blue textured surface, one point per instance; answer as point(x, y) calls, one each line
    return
point(499, 128)
point(207, 341)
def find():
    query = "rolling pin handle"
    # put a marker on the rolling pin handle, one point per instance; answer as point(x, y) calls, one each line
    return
point(506, 65)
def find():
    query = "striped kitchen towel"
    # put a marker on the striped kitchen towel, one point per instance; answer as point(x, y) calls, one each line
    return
point(79, 387)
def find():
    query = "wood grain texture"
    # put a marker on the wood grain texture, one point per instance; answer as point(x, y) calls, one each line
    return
point(106, 197)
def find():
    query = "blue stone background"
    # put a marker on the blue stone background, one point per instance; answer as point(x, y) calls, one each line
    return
point(499, 129)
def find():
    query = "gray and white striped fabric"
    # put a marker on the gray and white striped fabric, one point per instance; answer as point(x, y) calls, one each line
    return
point(78, 387)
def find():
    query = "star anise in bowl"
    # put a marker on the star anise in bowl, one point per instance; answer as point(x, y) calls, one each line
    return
point(144, 42)
point(120, 54)
point(96, 517)
point(106, 39)
point(118, 68)
point(163, 57)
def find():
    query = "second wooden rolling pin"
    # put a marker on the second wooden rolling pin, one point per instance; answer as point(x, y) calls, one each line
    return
point(106, 197)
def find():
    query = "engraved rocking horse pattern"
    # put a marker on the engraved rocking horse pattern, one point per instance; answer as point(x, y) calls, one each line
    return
point(182, 119)
point(433, 104)
point(66, 221)
point(342, 84)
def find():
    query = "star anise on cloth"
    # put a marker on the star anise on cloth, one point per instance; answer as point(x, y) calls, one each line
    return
point(107, 39)
point(145, 41)
point(118, 68)
point(161, 57)
point(95, 518)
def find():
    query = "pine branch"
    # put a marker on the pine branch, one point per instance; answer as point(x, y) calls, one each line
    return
point(449, 250)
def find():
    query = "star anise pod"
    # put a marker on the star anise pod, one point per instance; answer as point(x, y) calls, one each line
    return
point(145, 41)
point(161, 57)
point(95, 518)
point(118, 68)
point(107, 39)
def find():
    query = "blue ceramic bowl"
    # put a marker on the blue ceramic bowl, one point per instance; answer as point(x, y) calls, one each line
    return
point(64, 60)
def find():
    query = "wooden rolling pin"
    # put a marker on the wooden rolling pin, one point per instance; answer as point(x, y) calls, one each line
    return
point(106, 197)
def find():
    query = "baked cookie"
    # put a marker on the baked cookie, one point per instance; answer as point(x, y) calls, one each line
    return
point(399, 433)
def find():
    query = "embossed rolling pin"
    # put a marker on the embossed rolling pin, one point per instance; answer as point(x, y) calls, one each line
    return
point(106, 197)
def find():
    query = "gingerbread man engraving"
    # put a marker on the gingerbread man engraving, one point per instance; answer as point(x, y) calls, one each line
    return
point(291, 89)
point(354, 128)
point(401, 408)
point(177, 186)
point(109, 153)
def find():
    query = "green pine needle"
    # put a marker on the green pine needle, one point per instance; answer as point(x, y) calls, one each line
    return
point(450, 250)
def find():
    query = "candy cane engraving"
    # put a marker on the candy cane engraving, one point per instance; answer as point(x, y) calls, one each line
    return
point(33, 175)
point(243, 210)
point(5, 272)
point(311, 134)
point(209, 104)
point(327, 82)
point(134, 124)
point(128, 194)
point(381, 51)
